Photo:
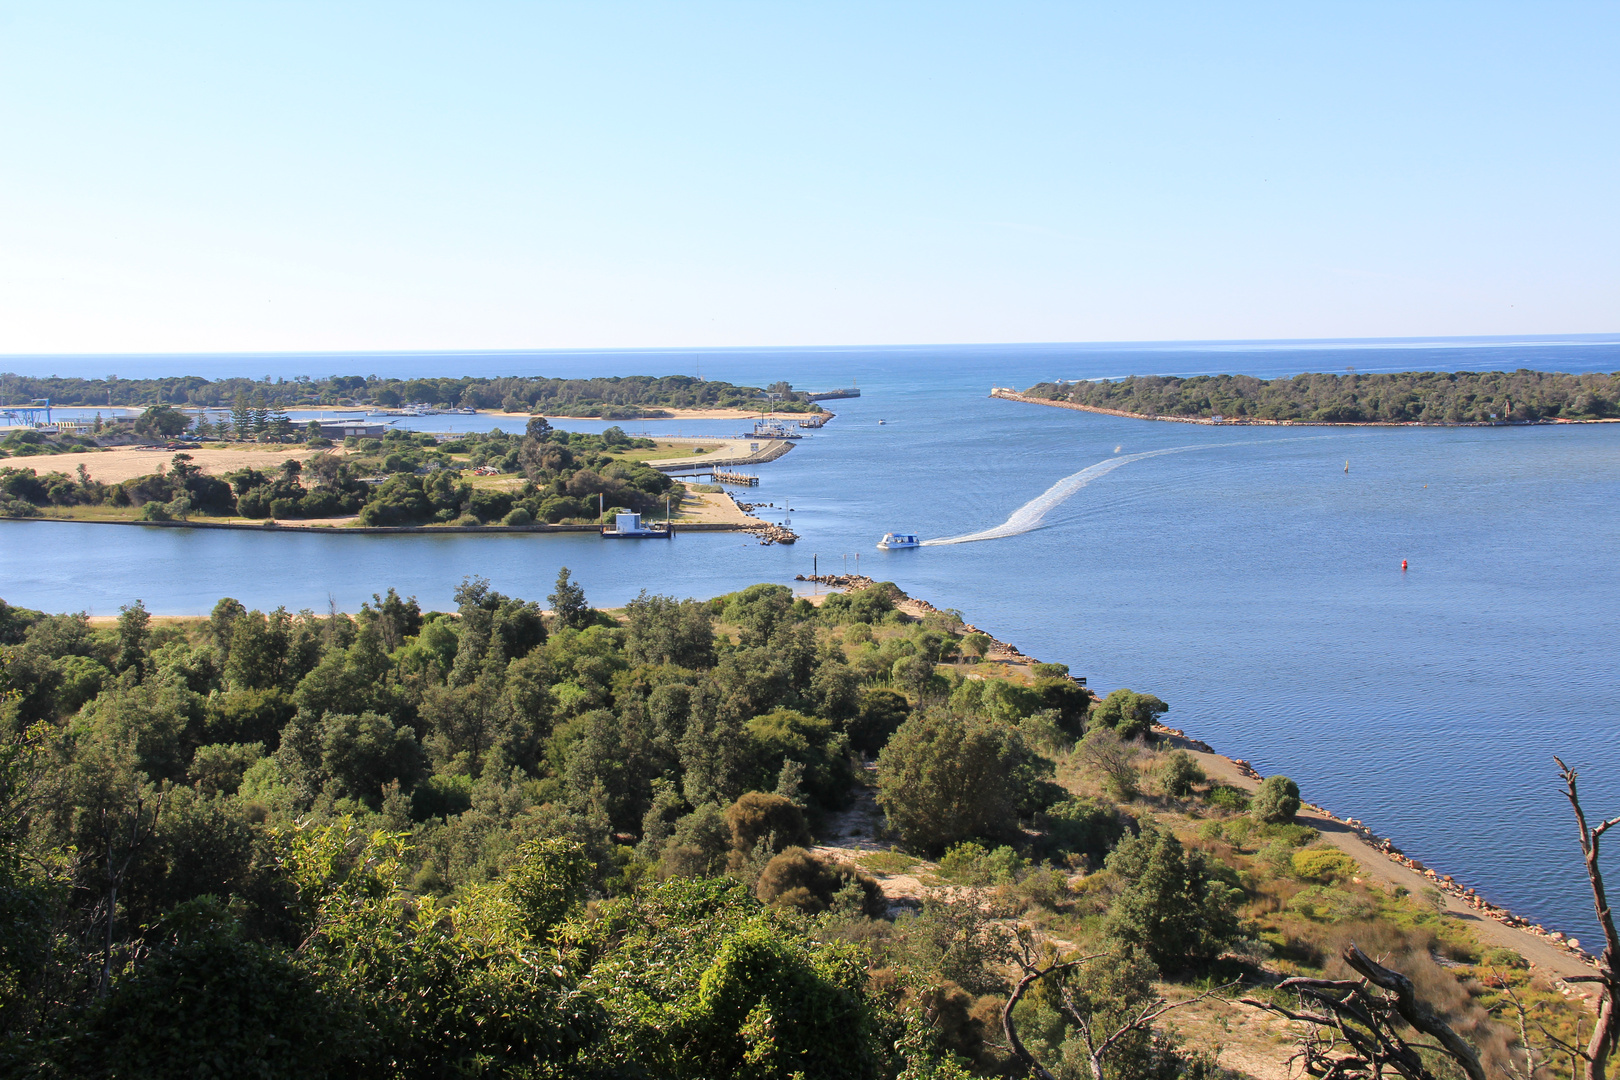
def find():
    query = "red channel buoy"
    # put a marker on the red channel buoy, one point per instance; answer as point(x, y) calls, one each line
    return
point(1403, 566)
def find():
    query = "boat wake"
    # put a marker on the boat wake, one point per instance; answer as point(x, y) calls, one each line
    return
point(1031, 514)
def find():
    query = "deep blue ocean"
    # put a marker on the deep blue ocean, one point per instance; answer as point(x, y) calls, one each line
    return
point(1247, 579)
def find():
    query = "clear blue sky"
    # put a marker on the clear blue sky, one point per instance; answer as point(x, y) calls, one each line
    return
point(268, 176)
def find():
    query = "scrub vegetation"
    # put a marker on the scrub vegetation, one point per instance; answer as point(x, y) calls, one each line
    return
point(514, 841)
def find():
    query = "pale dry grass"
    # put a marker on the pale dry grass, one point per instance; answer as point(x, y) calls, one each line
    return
point(116, 466)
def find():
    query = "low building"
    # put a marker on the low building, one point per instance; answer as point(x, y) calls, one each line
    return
point(342, 429)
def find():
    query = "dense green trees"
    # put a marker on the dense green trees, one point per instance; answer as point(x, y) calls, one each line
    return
point(943, 778)
point(502, 841)
point(1431, 397)
point(405, 478)
point(611, 398)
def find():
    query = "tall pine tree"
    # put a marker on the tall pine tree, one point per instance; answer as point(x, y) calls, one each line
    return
point(242, 417)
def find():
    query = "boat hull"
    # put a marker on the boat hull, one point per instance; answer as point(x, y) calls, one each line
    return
point(639, 534)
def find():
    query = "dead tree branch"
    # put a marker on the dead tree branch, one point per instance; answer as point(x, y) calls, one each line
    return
point(1415, 1012)
point(1606, 1032)
point(1097, 1046)
point(1365, 1017)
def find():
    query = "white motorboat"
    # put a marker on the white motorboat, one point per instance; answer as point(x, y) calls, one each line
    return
point(891, 541)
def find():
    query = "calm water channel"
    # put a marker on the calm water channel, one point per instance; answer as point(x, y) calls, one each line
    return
point(1249, 580)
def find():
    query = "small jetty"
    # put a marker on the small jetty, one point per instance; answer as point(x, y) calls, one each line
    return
point(720, 476)
point(828, 395)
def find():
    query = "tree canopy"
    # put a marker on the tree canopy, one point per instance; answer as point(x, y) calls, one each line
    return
point(1430, 397)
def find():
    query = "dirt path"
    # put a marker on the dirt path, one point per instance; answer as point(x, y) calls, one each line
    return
point(858, 830)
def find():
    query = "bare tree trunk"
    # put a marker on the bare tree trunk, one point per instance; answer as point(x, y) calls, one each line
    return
point(1032, 975)
point(1606, 1032)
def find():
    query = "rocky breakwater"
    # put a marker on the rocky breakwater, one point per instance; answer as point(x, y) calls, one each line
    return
point(771, 534)
point(851, 582)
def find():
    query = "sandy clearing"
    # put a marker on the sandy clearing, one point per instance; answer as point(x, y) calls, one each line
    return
point(116, 466)
point(712, 507)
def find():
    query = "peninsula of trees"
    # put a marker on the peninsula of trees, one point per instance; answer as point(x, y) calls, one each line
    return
point(1422, 397)
point(403, 478)
point(617, 398)
point(503, 841)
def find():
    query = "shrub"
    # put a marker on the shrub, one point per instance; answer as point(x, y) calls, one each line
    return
point(1081, 826)
point(943, 779)
point(218, 768)
point(1503, 958)
point(195, 1004)
point(970, 864)
point(1276, 801)
point(773, 818)
point(1049, 887)
point(797, 879)
point(1042, 729)
point(1324, 864)
point(1179, 773)
point(1228, 798)
point(1113, 760)
point(1172, 907)
point(1130, 715)
point(1322, 903)
point(517, 518)
point(1294, 835)
point(881, 713)
point(697, 844)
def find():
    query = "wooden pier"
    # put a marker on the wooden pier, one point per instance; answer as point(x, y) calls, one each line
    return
point(720, 476)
